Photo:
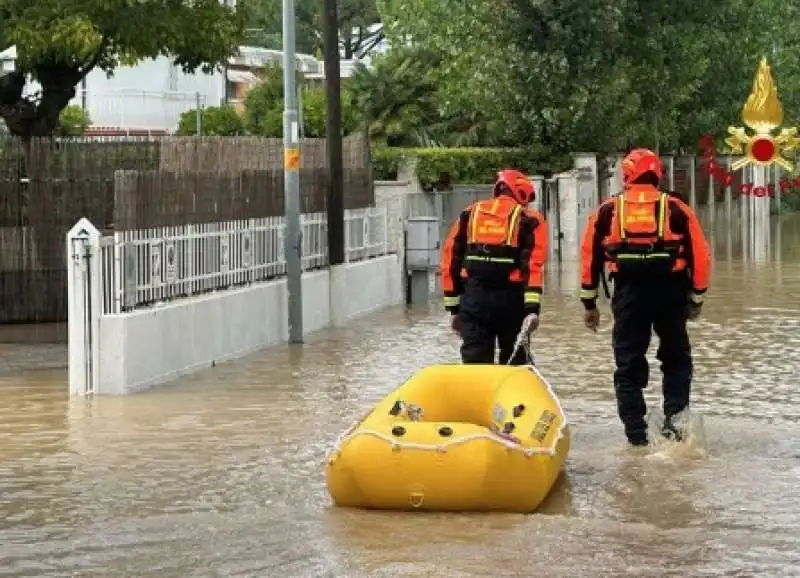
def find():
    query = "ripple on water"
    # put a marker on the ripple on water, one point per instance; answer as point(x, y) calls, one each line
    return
point(221, 474)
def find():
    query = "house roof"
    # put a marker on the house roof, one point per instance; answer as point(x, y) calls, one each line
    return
point(241, 76)
point(9, 53)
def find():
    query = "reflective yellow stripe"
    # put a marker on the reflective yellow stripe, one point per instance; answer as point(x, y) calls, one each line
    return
point(697, 298)
point(634, 256)
point(452, 301)
point(512, 224)
point(532, 297)
point(662, 215)
point(588, 293)
point(473, 224)
point(488, 259)
point(621, 215)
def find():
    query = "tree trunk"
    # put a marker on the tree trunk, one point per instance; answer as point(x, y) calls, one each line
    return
point(28, 118)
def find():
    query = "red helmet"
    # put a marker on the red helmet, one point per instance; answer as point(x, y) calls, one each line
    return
point(520, 188)
point(639, 162)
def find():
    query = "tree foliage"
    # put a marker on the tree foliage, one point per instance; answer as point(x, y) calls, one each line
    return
point(397, 96)
point(264, 108)
point(601, 75)
point(359, 26)
point(213, 121)
point(443, 167)
point(60, 41)
point(400, 98)
point(73, 121)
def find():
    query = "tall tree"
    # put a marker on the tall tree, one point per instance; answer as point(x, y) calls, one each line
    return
point(360, 29)
point(396, 96)
point(602, 75)
point(549, 73)
point(60, 41)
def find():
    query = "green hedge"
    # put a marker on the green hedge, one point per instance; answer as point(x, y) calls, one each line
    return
point(443, 167)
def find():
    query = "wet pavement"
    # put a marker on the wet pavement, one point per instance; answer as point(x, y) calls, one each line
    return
point(221, 474)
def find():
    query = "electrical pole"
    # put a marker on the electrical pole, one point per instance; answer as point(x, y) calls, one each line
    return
point(333, 133)
point(291, 145)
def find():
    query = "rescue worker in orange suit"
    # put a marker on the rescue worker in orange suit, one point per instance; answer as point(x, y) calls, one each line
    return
point(659, 261)
point(492, 271)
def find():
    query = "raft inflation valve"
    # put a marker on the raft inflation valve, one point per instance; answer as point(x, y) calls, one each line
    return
point(508, 427)
point(518, 409)
point(445, 431)
point(398, 431)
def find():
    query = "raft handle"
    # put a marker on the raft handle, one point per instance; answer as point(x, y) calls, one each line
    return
point(518, 409)
point(445, 431)
point(398, 431)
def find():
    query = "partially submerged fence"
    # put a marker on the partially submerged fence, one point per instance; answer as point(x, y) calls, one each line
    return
point(46, 185)
point(133, 270)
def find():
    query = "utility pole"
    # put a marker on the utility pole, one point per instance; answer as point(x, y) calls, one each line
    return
point(291, 145)
point(333, 133)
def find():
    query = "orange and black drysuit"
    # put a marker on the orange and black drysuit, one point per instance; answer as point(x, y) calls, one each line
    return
point(659, 260)
point(492, 275)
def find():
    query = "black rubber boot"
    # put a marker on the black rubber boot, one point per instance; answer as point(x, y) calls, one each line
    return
point(637, 438)
point(670, 431)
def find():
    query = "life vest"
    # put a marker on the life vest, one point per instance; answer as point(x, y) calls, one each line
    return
point(492, 252)
point(640, 241)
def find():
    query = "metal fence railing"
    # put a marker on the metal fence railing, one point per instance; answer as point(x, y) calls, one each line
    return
point(147, 266)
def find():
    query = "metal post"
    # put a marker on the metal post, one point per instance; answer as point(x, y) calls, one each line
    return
point(712, 198)
point(759, 216)
point(291, 145)
point(671, 174)
point(728, 193)
point(301, 122)
point(198, 114)
point(333, 134)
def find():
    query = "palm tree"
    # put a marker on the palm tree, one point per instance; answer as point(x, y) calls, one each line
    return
point(397, 96)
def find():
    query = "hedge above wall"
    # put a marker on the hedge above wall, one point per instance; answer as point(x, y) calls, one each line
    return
point(443, 167)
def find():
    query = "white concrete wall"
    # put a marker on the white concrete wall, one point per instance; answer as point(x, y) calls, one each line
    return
point(149, 347)
point(150, 95)
point(568, 216)
point(613, 178)
point(392, 195)
point(588, 197)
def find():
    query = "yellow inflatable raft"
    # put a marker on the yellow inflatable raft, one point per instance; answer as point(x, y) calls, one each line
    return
point(455, 438)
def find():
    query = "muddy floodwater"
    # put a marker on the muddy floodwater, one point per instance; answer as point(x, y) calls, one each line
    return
point(221, 473)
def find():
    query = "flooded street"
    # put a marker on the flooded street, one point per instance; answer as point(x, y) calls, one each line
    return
point(221, 474)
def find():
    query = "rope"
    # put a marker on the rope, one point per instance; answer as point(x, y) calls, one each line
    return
point(523, 342)
point(354, 432)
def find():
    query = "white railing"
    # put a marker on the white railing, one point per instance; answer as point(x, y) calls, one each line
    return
point(138, 109)
point(147, 266)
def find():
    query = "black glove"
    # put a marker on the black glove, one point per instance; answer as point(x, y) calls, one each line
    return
point(693, 311)
point(455, 323)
